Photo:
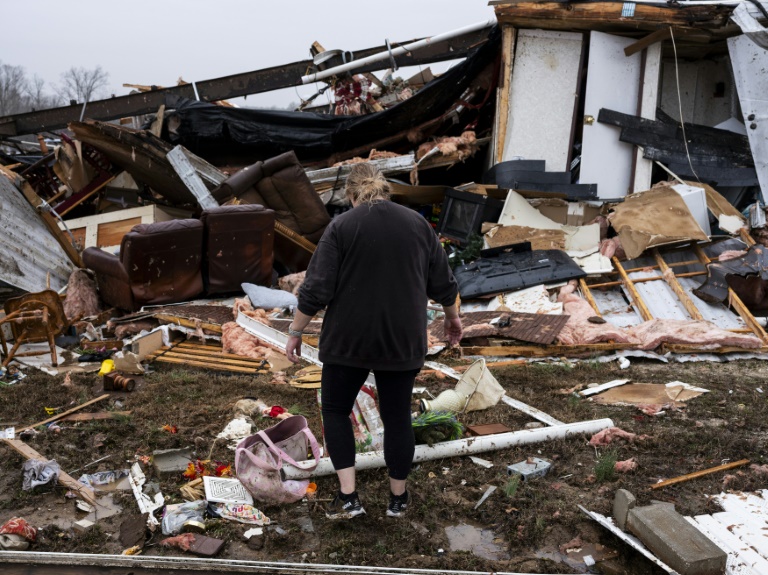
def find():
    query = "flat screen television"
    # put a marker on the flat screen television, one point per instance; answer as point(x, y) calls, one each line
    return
point(463, 214)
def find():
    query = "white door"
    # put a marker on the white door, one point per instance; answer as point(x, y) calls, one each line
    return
point(542, 96)
point(613, 81)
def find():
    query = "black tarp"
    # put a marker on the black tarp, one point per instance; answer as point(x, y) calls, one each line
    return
point(217, 133)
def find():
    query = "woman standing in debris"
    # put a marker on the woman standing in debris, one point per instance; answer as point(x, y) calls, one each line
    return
point(373, 270)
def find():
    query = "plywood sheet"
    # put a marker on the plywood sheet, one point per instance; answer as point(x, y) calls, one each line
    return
point(530, 327)
point(542, 96)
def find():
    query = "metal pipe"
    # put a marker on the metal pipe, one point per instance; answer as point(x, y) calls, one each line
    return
point(413, 46)
point(459, 447)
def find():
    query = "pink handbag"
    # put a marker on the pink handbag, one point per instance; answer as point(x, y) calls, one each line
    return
point(259, 460)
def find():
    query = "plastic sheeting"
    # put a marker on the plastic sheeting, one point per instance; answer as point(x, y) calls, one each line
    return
point(218, 132)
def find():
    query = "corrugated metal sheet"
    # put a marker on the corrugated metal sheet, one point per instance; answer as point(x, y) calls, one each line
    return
point(28, 251)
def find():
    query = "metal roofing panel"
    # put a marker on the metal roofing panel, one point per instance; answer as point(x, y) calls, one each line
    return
point(28, 251)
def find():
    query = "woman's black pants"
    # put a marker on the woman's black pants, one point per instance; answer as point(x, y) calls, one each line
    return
point(340, 386)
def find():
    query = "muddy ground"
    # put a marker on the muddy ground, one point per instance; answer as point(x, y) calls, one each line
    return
point(523, 528)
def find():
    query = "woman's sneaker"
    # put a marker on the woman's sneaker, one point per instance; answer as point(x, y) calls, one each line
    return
point(398, 504)
point(345, 507)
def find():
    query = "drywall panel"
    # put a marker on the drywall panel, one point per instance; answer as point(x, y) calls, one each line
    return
point(750, 71)
point(613, 82)
point(542, 97)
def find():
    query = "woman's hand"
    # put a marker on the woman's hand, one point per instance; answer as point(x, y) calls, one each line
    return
point(453, 330)
point(293, 348)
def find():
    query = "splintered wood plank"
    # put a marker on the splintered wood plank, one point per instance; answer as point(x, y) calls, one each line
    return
point(28, 453)
point(218, 361)
point(682, 295)
point(192, 323)
point(508, 34)
point(588, 296)
point(699, 473)
point(634, 294)
point(73, 410)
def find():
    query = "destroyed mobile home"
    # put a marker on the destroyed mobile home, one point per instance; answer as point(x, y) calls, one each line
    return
point(597, 172)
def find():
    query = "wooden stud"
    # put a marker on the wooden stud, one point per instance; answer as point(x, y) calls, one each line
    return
point(252, 363)
point(546, 350)
point(633, 293)
point(669, 277)
point(588, 296)
point(746, 238)
point(734, 300)
point(209, 365)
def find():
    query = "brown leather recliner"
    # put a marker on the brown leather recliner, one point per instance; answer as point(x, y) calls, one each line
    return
point(281, 184)
point(237, 247)
point(158, 263)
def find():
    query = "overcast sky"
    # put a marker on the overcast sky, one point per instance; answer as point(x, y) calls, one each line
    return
point(156, 42)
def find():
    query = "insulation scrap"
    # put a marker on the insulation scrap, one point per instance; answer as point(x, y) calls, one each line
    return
point(82, 298)
point(183, 541)
point(653, 408)
point(760, 469)
point(463, 146)
point(606, 436)
point(651, 334)
point(578, 329)
point(234, 339)
point(292, 282)
point(128, 329)
point(612, 247)
point(575, 543)
point(625, 466)
point(241, 304)
point(374, 154)
point(260, 315)
point(279, 378)
point(731, 255)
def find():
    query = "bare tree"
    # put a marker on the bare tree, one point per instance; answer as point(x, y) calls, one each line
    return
point(13, 86)
point(37, 98)
point(84, 85)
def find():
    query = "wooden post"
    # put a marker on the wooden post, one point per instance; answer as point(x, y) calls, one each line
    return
point(669, 277)
point(505, 83)
point(634, 294)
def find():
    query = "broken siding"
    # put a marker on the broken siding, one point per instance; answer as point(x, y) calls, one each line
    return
point(28, 251)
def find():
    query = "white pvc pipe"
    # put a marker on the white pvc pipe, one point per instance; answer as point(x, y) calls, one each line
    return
point(395, 51)
point(459, 447)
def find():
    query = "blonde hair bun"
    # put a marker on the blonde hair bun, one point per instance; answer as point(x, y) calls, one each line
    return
point(366, 184)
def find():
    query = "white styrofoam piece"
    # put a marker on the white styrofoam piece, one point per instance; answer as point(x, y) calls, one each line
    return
point(613, 82)
point(543, 90)
point(741, 559)
point(730, 224)
point(146, 505)
point(226, 490)
point(749, 62)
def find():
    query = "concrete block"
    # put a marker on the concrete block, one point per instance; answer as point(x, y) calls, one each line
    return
point(171, 460)
point(529, 469)
point(82, 526)
point(675, 541)
point(623, 503)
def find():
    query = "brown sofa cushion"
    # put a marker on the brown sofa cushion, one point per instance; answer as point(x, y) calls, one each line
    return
point(163, 261)
point(238, 247)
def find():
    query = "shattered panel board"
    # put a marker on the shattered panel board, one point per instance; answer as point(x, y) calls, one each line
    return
point(530, 327)
point(223, 490)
